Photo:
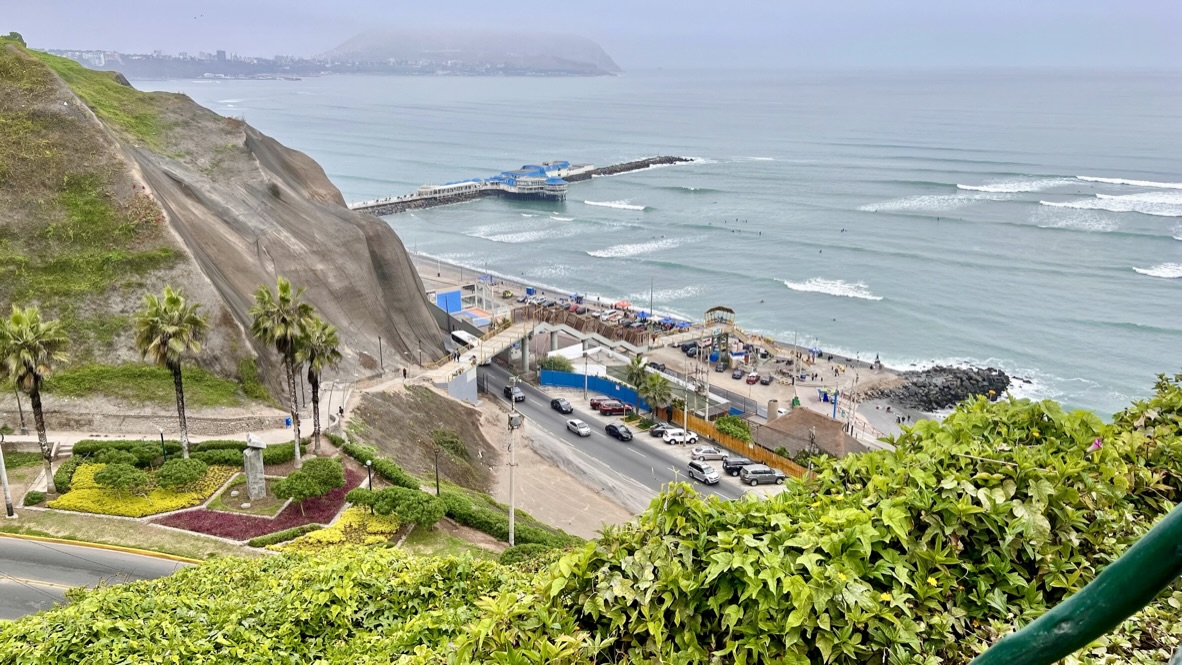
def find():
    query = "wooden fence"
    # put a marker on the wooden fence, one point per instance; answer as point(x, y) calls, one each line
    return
point(751, 450)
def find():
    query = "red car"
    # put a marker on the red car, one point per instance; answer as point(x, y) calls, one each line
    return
point(753, 378)
point(614, 408)
point(599, 399)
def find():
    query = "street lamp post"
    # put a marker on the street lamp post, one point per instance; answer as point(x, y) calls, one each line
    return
point(369, 480)
point(163, 450)
point(516, 420)
point(8, 511)
point(585, 379)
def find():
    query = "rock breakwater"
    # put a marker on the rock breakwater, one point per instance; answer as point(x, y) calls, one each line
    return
point(943, 387)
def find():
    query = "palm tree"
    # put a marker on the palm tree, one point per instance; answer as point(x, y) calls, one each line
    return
point(635, 375)
point(165, 329)
point(657, 391)
point(280, 319)
point(319, 350)
point(28, 349)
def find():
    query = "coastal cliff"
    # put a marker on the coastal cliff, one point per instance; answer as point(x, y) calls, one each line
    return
point(107, 193)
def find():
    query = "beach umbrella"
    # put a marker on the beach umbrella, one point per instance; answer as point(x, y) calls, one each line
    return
point(623, 304)
point(642, 315)
point(683, 324)
point(666, 320)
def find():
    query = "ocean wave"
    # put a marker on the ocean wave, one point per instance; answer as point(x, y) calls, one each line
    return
point(562, 219)
point(1096, 221)
point(526, 214)
point(618, 205)
point(521, 232)
point(1016, 186)
point(664, 295)
point(1162, 270)
point(1134, 183)
point(932, 202)
point(634, 249)
point(833, 287)
point(1158, 204)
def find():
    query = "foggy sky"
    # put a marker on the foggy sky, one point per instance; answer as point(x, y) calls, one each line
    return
point(651, 33)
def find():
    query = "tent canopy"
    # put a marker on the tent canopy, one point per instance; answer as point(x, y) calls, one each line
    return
point(623, 304)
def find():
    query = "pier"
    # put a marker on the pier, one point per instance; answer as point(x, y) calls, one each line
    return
point(547, 181)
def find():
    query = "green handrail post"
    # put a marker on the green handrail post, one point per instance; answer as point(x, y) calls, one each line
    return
point(1120, 590)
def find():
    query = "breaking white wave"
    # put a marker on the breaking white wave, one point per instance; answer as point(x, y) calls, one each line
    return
point(626, 204)
point(520, 232)
point(833, 287)
point(664, 295)
point(932, 202)
point(634, 249)
point(1016, 186)
point(562, 219)
point(1134, 183)
point(526, 214)
point(1160, 204)
point(1097, 221)
point(1163, 270)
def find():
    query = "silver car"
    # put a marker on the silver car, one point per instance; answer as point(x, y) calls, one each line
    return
point(702, 472)
point(578, 427)
point(706, 452)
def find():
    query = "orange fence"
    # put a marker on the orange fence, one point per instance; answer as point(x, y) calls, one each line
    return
point(751, 450)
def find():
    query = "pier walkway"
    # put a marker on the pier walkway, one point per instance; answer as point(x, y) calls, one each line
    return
point(515, 184)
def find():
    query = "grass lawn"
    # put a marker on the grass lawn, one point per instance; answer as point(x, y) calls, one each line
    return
point(268, 505)
point(111, 531)
point(433, 542)
point(143, 383)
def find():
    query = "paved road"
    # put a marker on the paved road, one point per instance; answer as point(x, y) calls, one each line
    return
point(34, 576)
point(642, 460)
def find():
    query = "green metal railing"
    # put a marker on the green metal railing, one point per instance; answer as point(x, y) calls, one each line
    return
point(1120, 590)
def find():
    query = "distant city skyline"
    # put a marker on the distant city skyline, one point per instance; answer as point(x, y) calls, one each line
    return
point(743, 33)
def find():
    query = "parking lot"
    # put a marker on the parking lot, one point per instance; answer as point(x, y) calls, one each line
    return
point(642, 439)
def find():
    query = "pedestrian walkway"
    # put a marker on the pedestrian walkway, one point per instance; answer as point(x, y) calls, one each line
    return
point(484, 352)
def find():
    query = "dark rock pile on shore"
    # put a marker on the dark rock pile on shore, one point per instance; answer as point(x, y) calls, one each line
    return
point(942, 387)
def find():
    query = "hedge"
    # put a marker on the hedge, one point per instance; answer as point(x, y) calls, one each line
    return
point(495, 523)
point(86, 496)
point(381, 465)
point(520, 553)
point(88, 447)
point(283, 536)
point(34, 497)
point(64, 474)
point(229, 453)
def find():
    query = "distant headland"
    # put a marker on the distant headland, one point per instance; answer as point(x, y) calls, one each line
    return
point(409, 53)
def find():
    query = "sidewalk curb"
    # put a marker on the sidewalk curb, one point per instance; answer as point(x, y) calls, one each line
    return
point(102, 546)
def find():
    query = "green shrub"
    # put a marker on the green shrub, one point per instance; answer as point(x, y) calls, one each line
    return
point(116, 456)
point(734, 426)
point(450, 442)
point(34, 497)
point(557, 364)
point(411, 506)
point(319, 476)
point(219, 457)
point(283, 536)
point(496, 523)
point(145, 450)
point(327, 472)
point(280, 454)
point(381, 466)
point(124, 479)
point(181, 475)
point(220, 444)
point(522, 553)
point(65, 473)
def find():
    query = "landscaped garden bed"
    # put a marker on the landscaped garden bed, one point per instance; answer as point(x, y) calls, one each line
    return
point(357, 526)
point(318, 510)
point(268, 505)
point(87, 496)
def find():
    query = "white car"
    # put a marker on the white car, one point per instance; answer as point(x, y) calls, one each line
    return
point(679, 436)
point(578, 427)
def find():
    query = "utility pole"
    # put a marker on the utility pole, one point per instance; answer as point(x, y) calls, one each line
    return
point(8, 511)
point(585, 356)
point(516, 420)
point(437, 470)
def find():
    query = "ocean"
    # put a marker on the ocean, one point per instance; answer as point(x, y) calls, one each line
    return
point(1025, 220)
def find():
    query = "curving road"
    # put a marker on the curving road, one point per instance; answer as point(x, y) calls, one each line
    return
point(643, 460)
point(35, 575)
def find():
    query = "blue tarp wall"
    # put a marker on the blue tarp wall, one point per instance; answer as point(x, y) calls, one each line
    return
point(595, 384)
point(448, 301)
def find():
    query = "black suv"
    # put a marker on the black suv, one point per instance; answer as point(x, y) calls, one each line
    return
point(732, 464)
point(561, 405)
point(759, 474)
point(514, 393)
point(660, 367)
point(620, 432)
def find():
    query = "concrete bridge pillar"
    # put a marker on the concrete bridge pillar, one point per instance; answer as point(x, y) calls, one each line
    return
point(554, 340)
